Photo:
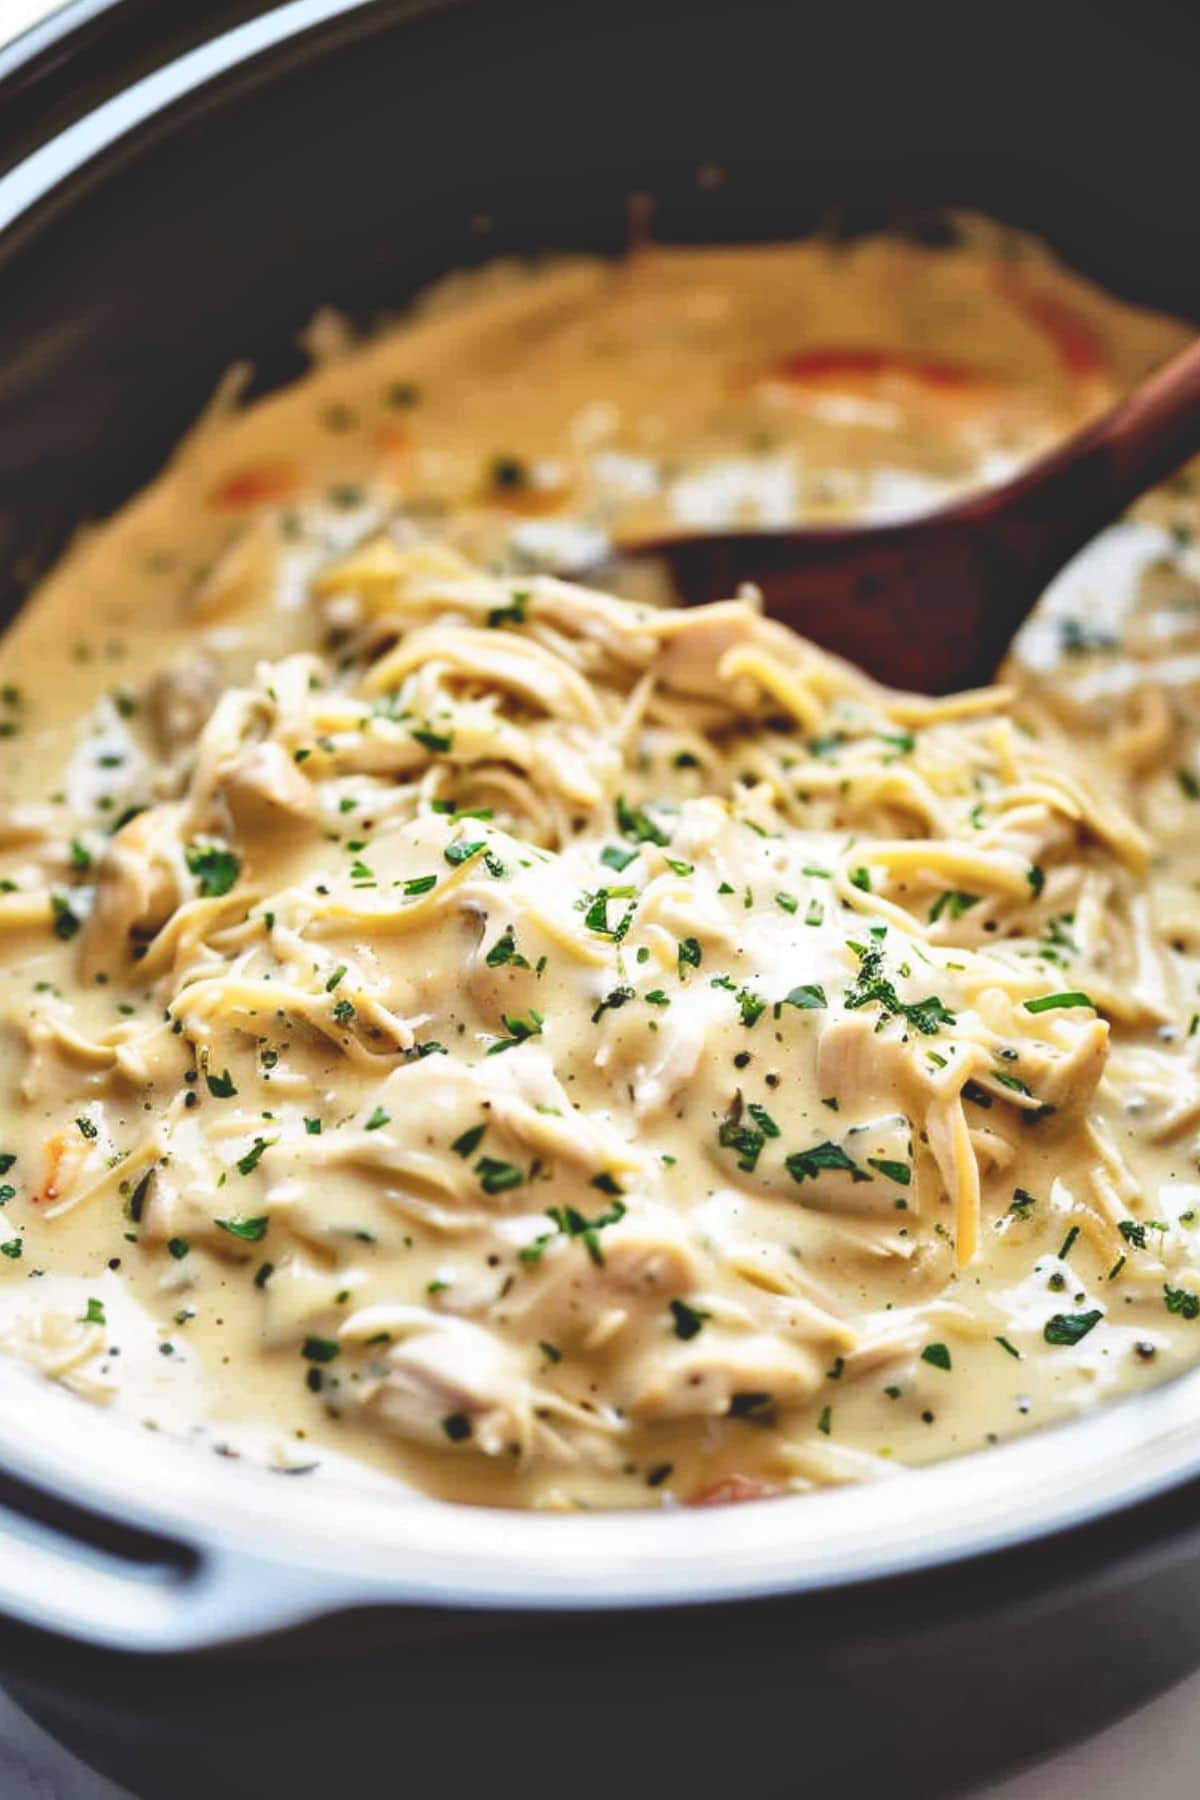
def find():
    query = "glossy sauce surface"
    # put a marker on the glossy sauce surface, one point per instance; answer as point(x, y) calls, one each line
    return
point(564, 1054)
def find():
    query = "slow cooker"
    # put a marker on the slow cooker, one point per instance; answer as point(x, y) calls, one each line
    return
point(181, 187)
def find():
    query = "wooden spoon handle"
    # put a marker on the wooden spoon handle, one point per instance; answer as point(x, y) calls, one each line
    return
point(1061, 501)
point(1157, 428)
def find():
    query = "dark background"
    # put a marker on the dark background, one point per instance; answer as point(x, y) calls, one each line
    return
point(359, 178)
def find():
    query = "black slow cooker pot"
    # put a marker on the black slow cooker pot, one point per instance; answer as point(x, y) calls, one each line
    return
point(183, 184)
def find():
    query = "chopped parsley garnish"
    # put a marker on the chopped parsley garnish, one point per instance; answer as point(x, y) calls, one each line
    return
point(612, 1002)
point(1182, 1301)
point(512, 614)
point(419, 884)
point(320, 1350)
point(954, 903)
point(65, 922)
point(336, 978)
point(250, 1231)
point(688, 1320)
point(1036, 877)
point(572, 1224)
point(1048, 1002)
point(254, 1155)
point(1188, 783)
point(809, 997)
point(94, 1314)
point(378, 1120)
point(1022, 1202)
point(637, 825)
point(937, 1354)
point(518, 1030)
point(1069, 1328)
point(872, 986)
point(469, 1141)
point(12, 1249)
point(496, 1177)
point(215, 869)
point(763, 1120)
point(809, 1165)
point(1134, 1230)
point(1068, 1243)
point(87, 1129)
point(595, 913)
point(504, 950)
point(178, 1247)
point(220, 1086)
point(898, 1172)
point(463, 851)
point(746, 1140)
point(613, 857)
point(435, 742)
point(689, 953)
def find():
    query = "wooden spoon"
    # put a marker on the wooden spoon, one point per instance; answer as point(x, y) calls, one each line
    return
point(932, 603)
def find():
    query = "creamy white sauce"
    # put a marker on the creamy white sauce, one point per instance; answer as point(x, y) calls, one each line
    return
point(628, 1287)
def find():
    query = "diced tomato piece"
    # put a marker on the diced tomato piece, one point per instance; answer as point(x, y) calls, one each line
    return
point(49, 1191)
point(256, 485)
point(733, 1490)
point(836, 363)
point(393, 440)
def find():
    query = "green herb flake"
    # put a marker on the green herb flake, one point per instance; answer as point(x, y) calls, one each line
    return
point(1051, 1002)
point(469, 1141)
point(216, 870)
point(496, 1177)
point(254, 1155)
point(462, 851)
point(250, 1231)
point(810, 1165)
point(954, 903)
point(1181, 1301)
point(689, 953)
point(637, 825)
point(436, 742)
point(808, 997)
point(1070, 1328)
point(688, 1320)
point(898, 1172)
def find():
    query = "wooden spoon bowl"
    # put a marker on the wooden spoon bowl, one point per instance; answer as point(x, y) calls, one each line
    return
point(932, 603)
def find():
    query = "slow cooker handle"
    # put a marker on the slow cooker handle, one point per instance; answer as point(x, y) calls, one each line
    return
point(91, 1576)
